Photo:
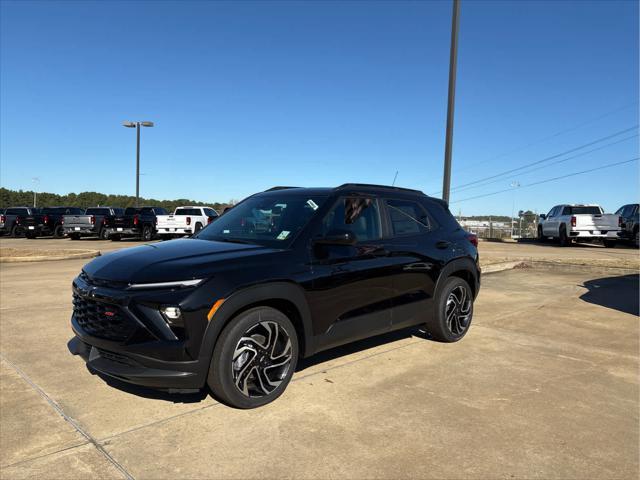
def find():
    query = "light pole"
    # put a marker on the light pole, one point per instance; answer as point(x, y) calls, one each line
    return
point(453, 61)
point(35, 181)
point(137, 125)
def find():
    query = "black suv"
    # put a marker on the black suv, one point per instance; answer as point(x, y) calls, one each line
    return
point(285, 274)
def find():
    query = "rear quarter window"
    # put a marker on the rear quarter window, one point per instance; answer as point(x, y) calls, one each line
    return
point(407, 217)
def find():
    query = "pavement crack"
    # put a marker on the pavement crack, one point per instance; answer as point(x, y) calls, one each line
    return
point(45, 455)
point(68, 419)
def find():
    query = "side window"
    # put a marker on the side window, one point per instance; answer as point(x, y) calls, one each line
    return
point(566, 211)
point(357, 215)
point(160, 211)
point(407, 217)
point(552, 212)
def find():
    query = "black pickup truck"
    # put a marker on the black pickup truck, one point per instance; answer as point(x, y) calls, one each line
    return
point(94, 222)
point(136, 222)
point(47, 221)
point(9, 223)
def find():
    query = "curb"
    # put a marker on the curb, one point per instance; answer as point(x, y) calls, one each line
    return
point(42, 258)
point(502, 266)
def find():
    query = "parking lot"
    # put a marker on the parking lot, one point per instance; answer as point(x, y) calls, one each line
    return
point(545, 385)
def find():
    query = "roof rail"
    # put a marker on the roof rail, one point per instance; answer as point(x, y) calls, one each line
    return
point(370, 185)
point(278, 188)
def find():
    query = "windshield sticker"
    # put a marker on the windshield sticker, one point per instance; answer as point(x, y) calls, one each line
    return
point(312, 204)
point(283, 235)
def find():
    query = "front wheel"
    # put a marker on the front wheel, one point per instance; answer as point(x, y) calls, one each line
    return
point(453, 311)
point(541, 237)
point(254, 358)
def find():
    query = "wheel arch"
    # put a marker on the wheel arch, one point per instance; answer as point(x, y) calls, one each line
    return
point(464, 268)
point(286, 297)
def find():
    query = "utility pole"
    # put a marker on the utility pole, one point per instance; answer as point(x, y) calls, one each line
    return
point(36, 181)
point(453, 61)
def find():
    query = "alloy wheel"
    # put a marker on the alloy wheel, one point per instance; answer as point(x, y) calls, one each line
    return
point(261, 359)
point(458, 310)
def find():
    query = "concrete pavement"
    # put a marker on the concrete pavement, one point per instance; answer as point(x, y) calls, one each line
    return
point(545, 385)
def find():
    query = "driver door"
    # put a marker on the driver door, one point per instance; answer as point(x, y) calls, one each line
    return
point(351, 296)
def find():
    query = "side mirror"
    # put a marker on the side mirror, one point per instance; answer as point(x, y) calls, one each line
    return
point(337, 237)
point(542, 216)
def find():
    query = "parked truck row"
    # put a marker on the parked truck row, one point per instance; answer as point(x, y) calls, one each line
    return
point(114, 223)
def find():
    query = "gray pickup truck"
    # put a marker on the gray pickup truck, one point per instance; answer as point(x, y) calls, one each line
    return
point(94, 222)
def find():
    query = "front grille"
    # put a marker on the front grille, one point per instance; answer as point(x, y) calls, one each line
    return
point(102, 320)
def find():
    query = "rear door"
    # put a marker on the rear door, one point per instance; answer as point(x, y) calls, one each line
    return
point(416, 252)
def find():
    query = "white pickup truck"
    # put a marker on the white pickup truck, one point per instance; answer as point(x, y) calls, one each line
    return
point(185, 221)
point(579, 222)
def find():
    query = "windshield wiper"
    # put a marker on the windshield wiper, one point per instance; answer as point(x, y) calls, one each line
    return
point(234, 240)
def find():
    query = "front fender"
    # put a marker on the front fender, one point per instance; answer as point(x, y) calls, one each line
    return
point(239, 300)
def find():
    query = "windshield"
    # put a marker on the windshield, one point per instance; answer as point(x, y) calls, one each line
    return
point(272, 220)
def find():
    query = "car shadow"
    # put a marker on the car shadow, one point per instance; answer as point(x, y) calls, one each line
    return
point(618, 293)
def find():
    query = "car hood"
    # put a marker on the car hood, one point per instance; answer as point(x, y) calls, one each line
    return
point(169, 261)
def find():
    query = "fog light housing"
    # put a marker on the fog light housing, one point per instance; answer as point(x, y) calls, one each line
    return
point(171, 314)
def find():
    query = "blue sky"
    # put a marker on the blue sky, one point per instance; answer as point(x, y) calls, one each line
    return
point(247, 95)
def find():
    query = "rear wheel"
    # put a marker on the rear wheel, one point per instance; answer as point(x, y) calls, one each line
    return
point(15, 231)
point(147, 233)
point(198, 227)
point(104, 234)
point(565, 241)
point(254, 358)
point(58, 232)
point(453, 311)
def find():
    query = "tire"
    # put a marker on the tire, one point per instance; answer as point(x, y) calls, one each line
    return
point(609, 243)
point(457, 295)
point(104, 234)
point(242, 387)
point(564, 239)
point(636, 237)
point(147, 233)
point(58, 232)
point(541, 237)
point(115, 238)
point(197, 228)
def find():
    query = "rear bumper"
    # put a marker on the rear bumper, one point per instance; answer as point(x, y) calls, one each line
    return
point(124, 231)
point(174, 231)
point(83, 230)
point(591, 234)
point(36, 229)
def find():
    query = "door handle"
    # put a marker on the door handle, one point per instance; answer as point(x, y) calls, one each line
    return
point(442, 244)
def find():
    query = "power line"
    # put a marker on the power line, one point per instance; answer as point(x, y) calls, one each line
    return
point(553, 135)
point(470, 187)
point(537, 162)
point(609, 165)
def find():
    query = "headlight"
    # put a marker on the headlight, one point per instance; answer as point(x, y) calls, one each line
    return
point(178, 284)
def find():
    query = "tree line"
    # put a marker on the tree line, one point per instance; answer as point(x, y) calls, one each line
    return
point(20, 198)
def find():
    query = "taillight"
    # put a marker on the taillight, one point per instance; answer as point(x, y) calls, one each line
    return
point(188, 220)
point(46, 219)
point(573, 221)
point(135, 219)
point(93, 220)
point(473, 239)
point(17, 220)
point(209, 220)
point(62, 221)
point(619, 221)
point(3, 219)
point(105, 221)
